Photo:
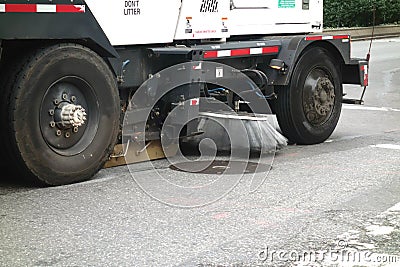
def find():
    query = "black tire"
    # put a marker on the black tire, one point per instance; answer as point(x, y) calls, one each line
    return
point(49, 80)
point(9, 69)
point(3, 113)
point(308, 109)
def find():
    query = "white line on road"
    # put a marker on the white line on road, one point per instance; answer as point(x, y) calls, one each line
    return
point(392, 40)
point(387, 146)
point(350, 107)
point(378, 226)
point(394, 208)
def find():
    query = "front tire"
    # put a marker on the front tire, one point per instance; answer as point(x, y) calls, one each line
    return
point(63, 115)
point(308, 109)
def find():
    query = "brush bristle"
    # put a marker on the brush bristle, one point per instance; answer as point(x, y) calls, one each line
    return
point(261, 135)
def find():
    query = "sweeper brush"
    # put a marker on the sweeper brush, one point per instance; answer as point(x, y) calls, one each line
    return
point(230, 131)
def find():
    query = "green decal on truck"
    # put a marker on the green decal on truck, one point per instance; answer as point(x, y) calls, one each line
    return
point(286, 3)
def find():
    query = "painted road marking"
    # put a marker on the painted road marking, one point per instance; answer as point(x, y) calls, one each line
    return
point(364, 239)
point(350, 107)
point(387, 146)
point(394, 208)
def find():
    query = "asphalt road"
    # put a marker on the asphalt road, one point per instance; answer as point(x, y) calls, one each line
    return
point(337, 199)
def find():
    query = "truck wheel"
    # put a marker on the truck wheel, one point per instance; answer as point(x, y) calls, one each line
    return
point(63, 115)
point(4, 163)
point(308, 109)
point(10, 67)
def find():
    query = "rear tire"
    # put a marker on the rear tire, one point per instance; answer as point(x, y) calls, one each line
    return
point(308, 109)
point(50, 137)
point(11, 62)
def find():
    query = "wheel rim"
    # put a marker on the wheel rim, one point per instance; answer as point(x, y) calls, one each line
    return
point(69, 115)
point(318, 96)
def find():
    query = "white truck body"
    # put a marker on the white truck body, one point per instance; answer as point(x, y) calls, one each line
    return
point(129, 22)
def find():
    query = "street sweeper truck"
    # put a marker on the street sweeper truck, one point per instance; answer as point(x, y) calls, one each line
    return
point(70, 71)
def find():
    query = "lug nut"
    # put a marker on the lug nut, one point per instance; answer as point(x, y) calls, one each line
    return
point(76, 129)
point(73, 98)
point(64, 96)
point(51, 112)
point(56, 101)
point(52, 124)
point(67, 135)
point(58, 133)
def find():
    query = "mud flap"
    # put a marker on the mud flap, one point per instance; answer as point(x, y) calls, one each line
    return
point(135, 152)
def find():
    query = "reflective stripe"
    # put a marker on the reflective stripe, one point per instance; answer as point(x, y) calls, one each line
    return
point(224, 53)
point(20, 8)
point(211, 54)
point(326, 37)
point(364, 69)
point(255, 51)
point(270, 50)
point(46, 8)
point(241, 52)
point(71, 8)
point(41, 8)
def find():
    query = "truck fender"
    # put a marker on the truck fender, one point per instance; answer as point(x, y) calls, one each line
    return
point(62, 21)
point(293, 48)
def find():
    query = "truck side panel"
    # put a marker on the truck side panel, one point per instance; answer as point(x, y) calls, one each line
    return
point(275, 16)
point(39, 20)
point(203, 19)
point(128, 22)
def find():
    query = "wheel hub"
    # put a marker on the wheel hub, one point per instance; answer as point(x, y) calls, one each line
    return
point(73, 115)
point(324, 96)
point(319, 99)
point(65, 116)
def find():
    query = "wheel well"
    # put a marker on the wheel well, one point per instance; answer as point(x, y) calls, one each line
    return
point(18, 49)
point(332, 51)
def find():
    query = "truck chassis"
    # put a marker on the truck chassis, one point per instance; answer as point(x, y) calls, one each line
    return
point(65, 92)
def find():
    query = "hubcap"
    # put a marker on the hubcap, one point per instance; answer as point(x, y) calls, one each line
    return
point(318, 97)
point(69, 115)
point(73, 115)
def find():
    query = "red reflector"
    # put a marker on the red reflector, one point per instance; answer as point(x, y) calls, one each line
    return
point(313, 38)
point(365, 79)
point(364, 69)
point(340, 37)
point(240, 52)
point(210, 54)
point(41, 8)
point(270, 50)
point(69, 9)
point(20, 8)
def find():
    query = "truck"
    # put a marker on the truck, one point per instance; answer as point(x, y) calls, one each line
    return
point(70, 68)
